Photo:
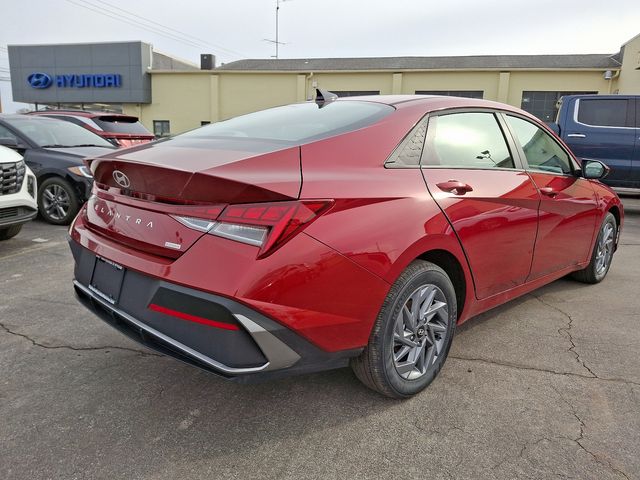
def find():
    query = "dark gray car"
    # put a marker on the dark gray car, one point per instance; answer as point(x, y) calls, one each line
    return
point(54, 151)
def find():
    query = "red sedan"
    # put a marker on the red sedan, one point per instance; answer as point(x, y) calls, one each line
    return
point(353, 231)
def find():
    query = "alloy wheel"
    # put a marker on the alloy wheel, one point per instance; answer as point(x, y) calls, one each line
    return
point(420, 332)
point(604, 250)
point(56, 201)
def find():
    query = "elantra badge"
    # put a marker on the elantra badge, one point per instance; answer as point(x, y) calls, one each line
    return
point(121, 179)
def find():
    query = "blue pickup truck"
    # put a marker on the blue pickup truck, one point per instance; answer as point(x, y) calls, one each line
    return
point(604, 127)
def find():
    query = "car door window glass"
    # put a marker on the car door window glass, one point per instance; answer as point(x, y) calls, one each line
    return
point(469, 140)
point(603, 112)
point(542, 152)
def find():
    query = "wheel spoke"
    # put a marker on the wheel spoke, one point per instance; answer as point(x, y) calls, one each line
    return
point(420, 331)
point(427, 300)
point(402, 339)
point(49, 196)
point(409, 319)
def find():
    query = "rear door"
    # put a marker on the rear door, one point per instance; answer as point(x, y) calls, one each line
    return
point(603, 128)
point(568, 206)
point(485, 193)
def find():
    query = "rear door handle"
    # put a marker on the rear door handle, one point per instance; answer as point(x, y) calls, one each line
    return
point(548, 191)
point(576, 135)
point(454, 186)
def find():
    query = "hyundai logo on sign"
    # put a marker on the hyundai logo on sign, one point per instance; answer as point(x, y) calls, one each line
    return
point(91, 80)
point(39, 80)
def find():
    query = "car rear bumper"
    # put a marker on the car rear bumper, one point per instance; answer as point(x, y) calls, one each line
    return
point(251, 346)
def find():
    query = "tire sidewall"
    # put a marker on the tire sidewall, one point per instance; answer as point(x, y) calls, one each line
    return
point(608, 219)
point(401, 386)
point(73, 199)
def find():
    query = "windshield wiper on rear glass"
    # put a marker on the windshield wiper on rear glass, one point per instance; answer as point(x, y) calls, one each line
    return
point(54, 145)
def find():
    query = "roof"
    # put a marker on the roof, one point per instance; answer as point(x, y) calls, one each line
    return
point(478, 62)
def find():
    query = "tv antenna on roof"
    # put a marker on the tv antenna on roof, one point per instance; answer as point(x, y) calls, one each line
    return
point(277, 41)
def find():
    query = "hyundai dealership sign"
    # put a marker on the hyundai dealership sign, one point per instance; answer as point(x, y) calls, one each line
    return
point(81, 73)
point(44, 80)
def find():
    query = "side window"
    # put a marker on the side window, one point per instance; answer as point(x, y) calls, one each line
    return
point(542, 151)
point(6, 133)
point(604, 112)
point(469, 140)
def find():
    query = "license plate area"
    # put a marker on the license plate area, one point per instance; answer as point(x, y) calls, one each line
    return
point(106, 280)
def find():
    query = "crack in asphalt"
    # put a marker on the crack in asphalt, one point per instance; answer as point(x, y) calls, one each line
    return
point(517, 366)
point(579, 439)
point(76, 349)
point(567, 334)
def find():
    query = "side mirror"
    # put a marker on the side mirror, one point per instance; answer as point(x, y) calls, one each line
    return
point(9, 142)
point(594, 169)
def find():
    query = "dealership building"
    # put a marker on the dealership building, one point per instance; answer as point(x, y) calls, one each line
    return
point(171, 95)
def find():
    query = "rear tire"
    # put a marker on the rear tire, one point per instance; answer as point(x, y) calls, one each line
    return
point(58, 201)
point(602, 254)
point(10, 232)
point(412, 335)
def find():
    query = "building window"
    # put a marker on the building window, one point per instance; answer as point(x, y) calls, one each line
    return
point(161, 128)
point(355, 93)
point(453, 93)
point(543, 104)
point(204, 122)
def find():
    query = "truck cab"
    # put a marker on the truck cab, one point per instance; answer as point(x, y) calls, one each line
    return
point(605, 128)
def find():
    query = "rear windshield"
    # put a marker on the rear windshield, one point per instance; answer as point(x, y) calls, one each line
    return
point(301, 122)
point(129, 125)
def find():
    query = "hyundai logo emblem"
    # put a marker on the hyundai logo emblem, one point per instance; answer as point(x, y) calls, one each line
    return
point(39, 80)
point(121, 179)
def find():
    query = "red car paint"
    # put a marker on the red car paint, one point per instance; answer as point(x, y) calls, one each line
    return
point(328, 281)
point(104, 124)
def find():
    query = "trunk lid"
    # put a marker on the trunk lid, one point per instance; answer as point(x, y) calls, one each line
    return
point(193, 170)
point(137, 190)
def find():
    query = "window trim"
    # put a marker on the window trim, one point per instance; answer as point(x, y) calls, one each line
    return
point(518, 164)
point(576, 110)
point(523, 158)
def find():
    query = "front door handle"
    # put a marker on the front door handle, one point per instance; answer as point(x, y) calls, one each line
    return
point(548, 191)
point(576, 135)
point(454, 186)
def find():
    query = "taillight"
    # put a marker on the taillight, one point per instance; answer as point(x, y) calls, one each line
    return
point(265, 225)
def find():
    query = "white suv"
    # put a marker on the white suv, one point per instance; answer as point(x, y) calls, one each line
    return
point(17, 193)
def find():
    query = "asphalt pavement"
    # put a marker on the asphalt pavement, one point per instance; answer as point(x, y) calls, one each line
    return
point(547, 386)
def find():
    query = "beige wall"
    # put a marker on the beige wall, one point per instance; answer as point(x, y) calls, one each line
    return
point(244, 93)
point(184, 100)
point(629, 81)
point(188, 98)
point(589, 81)
point(383, 82)
point(486, 81)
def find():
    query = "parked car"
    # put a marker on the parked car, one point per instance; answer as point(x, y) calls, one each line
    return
point(119, 129)
point(54, 150)
point(606, 128)
point(358, 230)
point(17, 193)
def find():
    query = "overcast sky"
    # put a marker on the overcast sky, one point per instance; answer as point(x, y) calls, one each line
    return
point(234, 29)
